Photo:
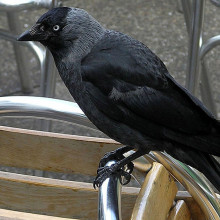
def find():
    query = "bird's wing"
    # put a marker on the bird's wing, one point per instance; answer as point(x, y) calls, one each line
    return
point(131, 85)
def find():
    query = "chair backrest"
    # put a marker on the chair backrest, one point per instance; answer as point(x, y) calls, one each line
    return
point(70, 199)
point(59, 153)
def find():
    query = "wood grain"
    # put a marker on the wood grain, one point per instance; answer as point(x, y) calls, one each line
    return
point(56, 197)
point(195, 210)
point(180, 211)
point(59, 153)
point(66, 198)
point(15, 215)
point(52, 152)
point(156, 195)
point(186, 182)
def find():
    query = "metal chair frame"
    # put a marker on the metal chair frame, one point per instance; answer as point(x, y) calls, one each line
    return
point(194, 15)
point(70, 112)
point(48, 75)
point(193, 12)
point(109, 195)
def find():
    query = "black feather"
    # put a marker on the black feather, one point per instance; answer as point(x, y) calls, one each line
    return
point(145, 89)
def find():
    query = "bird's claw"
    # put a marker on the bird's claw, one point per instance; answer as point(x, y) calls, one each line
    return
point(130, 167)
point(125, 176)
point(109, 156)
point(114, 155)
point(104, 172)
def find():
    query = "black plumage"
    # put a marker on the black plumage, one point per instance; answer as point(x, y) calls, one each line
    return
point(128, 93)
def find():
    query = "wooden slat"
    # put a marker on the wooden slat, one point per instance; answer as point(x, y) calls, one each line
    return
point(180, 211)
point(194, 208)
point(56, 152)
point(15, 215)
point(52, 152)
point(67, 198)
point(56, 197)
point(187, 184)
point(156, 195)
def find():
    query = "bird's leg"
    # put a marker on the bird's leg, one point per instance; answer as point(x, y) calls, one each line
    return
point(114, 155)
point(118, 155)
point(104, 172)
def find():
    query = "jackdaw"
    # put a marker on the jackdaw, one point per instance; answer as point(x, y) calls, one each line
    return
point(128, 93)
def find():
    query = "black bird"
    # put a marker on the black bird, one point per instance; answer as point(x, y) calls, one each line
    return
point(128, 93)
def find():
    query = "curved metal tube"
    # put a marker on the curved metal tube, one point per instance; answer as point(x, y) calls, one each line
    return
point(18, 5)
point(196, 186)
point(191, 15)
point(209, 45)
point(192, 79)
point(216, 2)
point(38, 52)
point(45, 108)
point(110, 198)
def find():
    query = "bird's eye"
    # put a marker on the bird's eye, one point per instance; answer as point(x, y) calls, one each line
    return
point(56, 27)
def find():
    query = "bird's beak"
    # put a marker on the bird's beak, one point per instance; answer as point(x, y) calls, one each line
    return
point(25, 36)
point(34, 34)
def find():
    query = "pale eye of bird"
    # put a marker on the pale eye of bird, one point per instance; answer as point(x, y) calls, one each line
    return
point(56, 27)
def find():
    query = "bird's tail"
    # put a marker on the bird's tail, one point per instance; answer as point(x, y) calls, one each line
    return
point(211, 169)
point(202, 161)
point(210, 143)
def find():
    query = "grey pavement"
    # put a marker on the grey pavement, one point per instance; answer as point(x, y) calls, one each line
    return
point(156, 23)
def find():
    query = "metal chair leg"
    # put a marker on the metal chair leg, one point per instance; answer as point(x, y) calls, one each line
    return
point(48, 76)
point(21, 57)
point(192, 80)
point(194, 18)
point(48, 84)
point(187, 12)
point(110, 198)
point(206, 91)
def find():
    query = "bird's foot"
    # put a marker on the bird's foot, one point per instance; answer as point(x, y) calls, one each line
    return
point(104, 172)
point(114, 155)
point(125, 176)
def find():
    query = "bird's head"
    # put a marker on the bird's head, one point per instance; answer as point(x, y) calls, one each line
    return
point(61, 26)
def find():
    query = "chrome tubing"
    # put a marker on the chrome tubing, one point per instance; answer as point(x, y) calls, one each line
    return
point(209, 45)
point(47, 84)
point(45, 60)
point(19, 5)
point(109, 203)
point(48, 76)
point(206, 90)
point(187, 12)
point(43, 108)
point(12, 7)
point(205, 85)
point(20, 55)
point(216, 2)
point(192, 79)
point(199, 189)
point(38, 52)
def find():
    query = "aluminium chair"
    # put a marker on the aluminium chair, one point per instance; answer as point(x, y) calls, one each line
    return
point(57, 199)
point(48, 75)
point(197, 74)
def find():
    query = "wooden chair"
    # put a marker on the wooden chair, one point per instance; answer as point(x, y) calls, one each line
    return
point(29, 197)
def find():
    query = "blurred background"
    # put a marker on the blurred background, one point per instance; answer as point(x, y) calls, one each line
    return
point(158, 24)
